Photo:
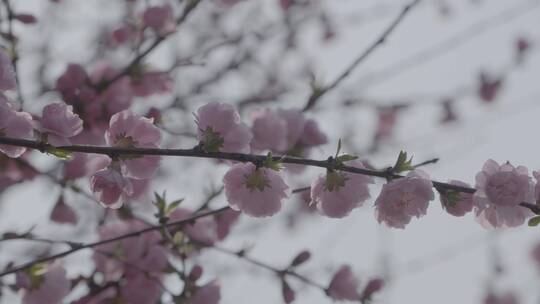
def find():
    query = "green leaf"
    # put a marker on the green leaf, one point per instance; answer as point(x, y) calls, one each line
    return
point(346, 158)
point(173, 206)
point(452, 197)
point(533, 222)
point(402, 164)
point(338, 148)
point(270, 163)
point(62, 154)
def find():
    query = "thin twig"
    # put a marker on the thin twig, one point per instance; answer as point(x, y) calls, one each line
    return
point(318, 93)
point(78, 247)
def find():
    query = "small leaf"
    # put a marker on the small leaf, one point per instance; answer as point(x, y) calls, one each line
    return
point(402, 164)
point(62, 154)
point(270, 163)
point(173, 206)
point(346, 157)
point(338, 148)
point(533, 222)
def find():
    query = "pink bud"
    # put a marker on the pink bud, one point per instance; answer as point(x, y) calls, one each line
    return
point(195, 273)
point(63, 213)
point(287, 292)
point(26, 18)
point(301, 258)
point(373, 286)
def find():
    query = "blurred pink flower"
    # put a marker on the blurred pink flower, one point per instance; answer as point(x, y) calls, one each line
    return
point(462, 205)
point(54, 287)
point(207, 294)
point(285, 132)
point(108, 185)
point(140, 288)
point(221, 129)
point(344, 285)
point(16, 125)
point(7, 73)
point(506, 298)
point(337, 193)
point(256, 192)
point(535, 255)
point(149, 83)
point(500, 190)
point(403, 198)
point(60, 123)
point(62, 213)
point(203, 230)
point(224, 221)
point(158, 18)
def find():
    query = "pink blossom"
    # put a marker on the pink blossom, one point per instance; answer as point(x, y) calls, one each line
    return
point(123, 34)
point(82, 164)
point(489, 88)
point(286, 4)
point(140, 288)
point(63, 213)
point(500, 190)
point(60, 123)
point(372, 287)
point(158, 18)
point(286, 132)
point(12, 172)
point(344, 285)
point(257, 192)
point(269, 131)
point(145, 251)
point(54, 287)
point(535, 255)
point(403, 198)
point(536, 175)
point(221, 129)
point(149, 83)
point(74, 84)
point(127, 130)
point(207, 294)
point(506, 298)
point(204, 230)
point(108, 185)
point(224, 221)
point(26, 18)
point(16, 125)
point(7, 73)
point(462, 205)
point(337, 193)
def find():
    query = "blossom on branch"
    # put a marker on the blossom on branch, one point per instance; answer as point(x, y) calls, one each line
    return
point(499, 191)
point(59, 123)
point(403, 198)
point(257, 192)
point(219, 128)
point(14, 124)
point(127, 130)
point(337, 193)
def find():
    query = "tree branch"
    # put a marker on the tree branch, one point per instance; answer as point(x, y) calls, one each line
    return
point(318, 93)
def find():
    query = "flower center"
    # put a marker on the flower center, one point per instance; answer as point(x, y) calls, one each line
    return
point(211, 141)
point(504, 189)
point(123, 141)
point(334, 181)
point(257, 181)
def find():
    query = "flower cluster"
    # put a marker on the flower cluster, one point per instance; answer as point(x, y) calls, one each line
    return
point(114, 183)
